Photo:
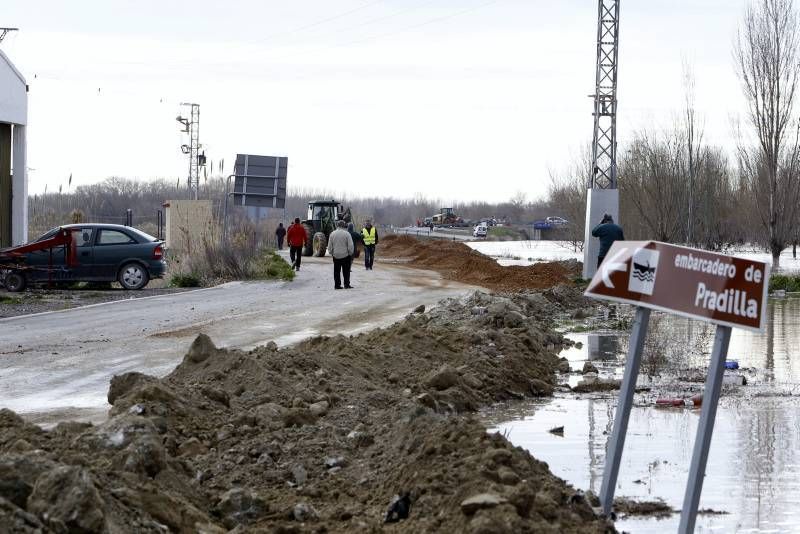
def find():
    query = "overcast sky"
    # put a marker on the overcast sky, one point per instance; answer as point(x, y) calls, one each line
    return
point(454, 99)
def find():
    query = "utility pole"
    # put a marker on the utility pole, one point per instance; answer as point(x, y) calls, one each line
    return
point(191, 126)
point(602, 195)
point(5, 31)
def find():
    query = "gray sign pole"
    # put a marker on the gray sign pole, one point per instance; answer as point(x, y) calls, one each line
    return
point(614, 451)
point(697, 471)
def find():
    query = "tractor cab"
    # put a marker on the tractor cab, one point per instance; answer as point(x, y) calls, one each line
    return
point(321, 221)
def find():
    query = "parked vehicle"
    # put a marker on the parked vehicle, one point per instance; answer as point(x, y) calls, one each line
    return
point(89, 253)
point(480, 231)
point(556, 221)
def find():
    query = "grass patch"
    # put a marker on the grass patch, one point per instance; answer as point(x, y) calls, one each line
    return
point(505, 233)
point(184, 280)
point(4, 299)
point(786, 282)
point(270, 266)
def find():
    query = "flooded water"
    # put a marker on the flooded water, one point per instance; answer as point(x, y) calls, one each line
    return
point(753, 473)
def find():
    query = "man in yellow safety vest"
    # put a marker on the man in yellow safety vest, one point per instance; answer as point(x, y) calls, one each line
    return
point(370, 237)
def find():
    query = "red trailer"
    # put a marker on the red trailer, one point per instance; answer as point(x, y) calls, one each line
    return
point(13, 268)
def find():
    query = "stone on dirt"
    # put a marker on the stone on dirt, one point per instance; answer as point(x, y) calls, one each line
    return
point(14, 519)
point(588, 367)
point(202, 348)
point(67, 498)
point(18, 474)
point(540, 388)
point(481, 501)
point(445, 377)
point(304, 512)
point(217, 395)
point(240, 506)
point(299, 474)
point(122, 384)
point(192, 447)
point(318, 409)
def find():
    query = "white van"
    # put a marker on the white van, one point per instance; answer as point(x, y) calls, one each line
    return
point(479, 231)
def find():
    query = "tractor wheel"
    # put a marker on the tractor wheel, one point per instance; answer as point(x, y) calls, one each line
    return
point(308, 249)
point(15, 282)
point(320, 244)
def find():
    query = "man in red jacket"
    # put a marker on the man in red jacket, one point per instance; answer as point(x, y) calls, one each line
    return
point(296, 237)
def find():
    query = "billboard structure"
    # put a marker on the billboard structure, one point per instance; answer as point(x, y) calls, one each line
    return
point(260, 181)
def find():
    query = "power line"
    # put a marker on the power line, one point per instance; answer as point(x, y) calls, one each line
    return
point(317, 23)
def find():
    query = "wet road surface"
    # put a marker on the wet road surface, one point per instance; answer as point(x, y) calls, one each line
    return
point(57, 365)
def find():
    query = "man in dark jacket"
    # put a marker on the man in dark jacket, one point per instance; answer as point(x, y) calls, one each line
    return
point(607, 232)
point(280, 233)
point(296, 236)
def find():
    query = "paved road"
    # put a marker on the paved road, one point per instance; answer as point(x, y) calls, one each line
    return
point(57, 365)
point(457, 234)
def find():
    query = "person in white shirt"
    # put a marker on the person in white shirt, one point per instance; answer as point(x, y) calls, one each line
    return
point(341, 248)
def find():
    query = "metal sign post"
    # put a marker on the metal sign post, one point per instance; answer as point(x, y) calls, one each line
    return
point(705, 429)
point(614, 456)
point(720, 289)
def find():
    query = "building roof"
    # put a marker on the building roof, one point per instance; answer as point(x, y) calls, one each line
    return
point(13, 68)
point(13, 93)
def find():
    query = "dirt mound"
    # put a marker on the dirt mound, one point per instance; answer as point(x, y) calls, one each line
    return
point(317, 437)
point(456, 261)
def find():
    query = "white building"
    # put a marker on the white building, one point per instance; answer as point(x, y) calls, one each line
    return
point(13, 170)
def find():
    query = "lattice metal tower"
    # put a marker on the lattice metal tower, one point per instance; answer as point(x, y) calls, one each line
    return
point(602, 196)
point(604, 141)
point(192, 128)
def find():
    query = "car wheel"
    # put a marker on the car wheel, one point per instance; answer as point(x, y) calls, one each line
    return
point(15, 282)
point(133, 276)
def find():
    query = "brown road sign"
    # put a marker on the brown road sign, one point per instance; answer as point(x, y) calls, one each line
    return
point(694, 283)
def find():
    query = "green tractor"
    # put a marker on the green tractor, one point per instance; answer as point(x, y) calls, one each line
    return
point(321, 221)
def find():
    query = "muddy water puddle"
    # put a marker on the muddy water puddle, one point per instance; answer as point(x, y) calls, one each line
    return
point(753, 473)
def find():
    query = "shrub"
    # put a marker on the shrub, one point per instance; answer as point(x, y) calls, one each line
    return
point(273, 266)
point(785, 282)
point(240, 259)
point(184, 280)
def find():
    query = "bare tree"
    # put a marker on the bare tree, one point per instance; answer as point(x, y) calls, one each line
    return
point(694, 139)
point(767, 61)
point(652, 179)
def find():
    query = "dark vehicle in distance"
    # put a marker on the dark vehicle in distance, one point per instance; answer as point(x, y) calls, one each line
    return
point(103, 253)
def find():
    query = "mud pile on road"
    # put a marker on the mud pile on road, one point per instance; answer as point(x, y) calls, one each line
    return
point(456, 261)
point(317, 437)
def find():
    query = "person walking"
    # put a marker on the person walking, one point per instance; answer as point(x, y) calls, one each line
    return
point(607, 232)
point(340, 247)
point(296, 238)
point(370, 237)
point(351, 229)
point(280, 233)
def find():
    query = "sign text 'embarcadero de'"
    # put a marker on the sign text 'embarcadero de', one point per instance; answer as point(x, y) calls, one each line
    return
point(703, 285)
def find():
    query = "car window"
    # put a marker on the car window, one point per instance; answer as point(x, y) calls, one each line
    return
point(113, 237)
point(48, 235)
point(143, 235)
point(82, 237)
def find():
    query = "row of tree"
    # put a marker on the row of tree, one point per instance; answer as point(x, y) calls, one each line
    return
point(674, 187)
point(109, 200)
